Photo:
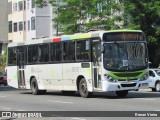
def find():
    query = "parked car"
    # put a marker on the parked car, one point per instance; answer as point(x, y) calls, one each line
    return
point(3, 78)
point(154, 77)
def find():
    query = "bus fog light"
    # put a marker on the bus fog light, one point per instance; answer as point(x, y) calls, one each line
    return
point(110, 79)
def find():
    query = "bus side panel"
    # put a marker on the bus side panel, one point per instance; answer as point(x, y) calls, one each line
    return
point(12, 76)
point(50, 76)
point(71, 71)
point(30, 70)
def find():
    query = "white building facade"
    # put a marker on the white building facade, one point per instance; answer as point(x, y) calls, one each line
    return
point(28, 22)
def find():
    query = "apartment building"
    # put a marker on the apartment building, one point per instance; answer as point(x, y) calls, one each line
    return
point(27, 22)
point(4, 24)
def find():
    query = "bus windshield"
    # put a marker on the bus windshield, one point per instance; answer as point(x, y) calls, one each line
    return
point(126, 56)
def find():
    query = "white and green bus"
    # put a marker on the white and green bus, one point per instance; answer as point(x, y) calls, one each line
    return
point(98, 61)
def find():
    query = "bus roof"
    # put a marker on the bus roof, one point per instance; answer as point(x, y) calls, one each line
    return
point(76, 36)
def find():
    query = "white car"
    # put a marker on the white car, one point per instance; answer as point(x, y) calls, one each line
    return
point(154, 77)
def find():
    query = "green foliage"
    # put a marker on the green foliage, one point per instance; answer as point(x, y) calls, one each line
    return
point(80, 15)
point(3, 58)
point(144, 15)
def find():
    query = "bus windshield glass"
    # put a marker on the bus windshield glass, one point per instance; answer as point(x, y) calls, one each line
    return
point(126, 56)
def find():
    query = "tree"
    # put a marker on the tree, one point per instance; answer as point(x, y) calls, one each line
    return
point(144, 15)
point(3, 61)
point(81, 15)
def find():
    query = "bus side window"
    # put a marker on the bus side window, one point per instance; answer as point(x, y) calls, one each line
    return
point(11, 56)
point(33, 54)
point(65, 51)
point(69, 51)
point(82, 49)
point(56, 52)
point(44, 53)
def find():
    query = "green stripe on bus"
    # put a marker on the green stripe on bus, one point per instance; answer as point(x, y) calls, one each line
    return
point(127, 75)
point(80, 36)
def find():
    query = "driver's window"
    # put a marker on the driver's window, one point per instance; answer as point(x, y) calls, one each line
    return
point(151, 74)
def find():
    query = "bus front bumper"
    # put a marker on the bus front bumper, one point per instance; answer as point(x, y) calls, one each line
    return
point(118, 86)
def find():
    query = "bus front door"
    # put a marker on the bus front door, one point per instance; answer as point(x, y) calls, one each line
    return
point(20, 65)
point(96, 59)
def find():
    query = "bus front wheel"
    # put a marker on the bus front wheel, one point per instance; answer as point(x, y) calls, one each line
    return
point(34, 88)
point(122, 93)
point(83, 89)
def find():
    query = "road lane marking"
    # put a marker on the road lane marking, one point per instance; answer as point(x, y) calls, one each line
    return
point(61, 102)
point(78, 119)
point(146, 99)
point(3, 96)
point(156, 110)
point(21, 110)
point(6, 108)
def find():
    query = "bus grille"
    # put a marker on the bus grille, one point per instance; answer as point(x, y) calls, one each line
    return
point(128, 85)
point(127, 74)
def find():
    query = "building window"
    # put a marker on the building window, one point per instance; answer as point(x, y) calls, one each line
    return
point(33, 23)
point(20, 26)
point(33, 3)
point(20, 6)
point(28, 25)
point(15, 27)
point(10, 26)
point(24, 25)
point(28, 5)
point(14, 6)
point(24, 5)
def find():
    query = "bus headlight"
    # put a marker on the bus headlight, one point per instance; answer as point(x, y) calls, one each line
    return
point(145, 77)
point(110, 79)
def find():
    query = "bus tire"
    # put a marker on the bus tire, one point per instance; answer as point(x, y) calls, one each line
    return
point(68, 92)
point(157, 86)
point(83, 89)
point(34, 87)
point(122, 93)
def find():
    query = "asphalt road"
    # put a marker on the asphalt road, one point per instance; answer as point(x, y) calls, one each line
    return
point(22, 100)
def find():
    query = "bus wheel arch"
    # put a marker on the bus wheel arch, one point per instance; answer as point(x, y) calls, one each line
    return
point(78, 81)
point(31, 79)
point(34, 87)
point(83, 88)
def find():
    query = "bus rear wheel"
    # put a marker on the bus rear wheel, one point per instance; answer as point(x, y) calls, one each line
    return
point(34, 88)
point(122, 93)
point(83, 89)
